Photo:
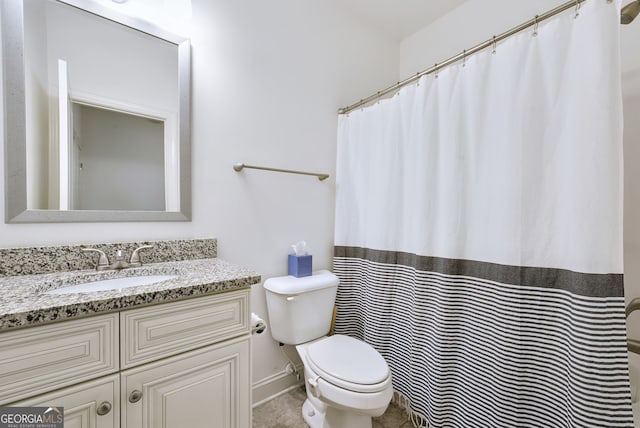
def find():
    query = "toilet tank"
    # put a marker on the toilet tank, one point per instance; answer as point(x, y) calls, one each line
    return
point(301, 309)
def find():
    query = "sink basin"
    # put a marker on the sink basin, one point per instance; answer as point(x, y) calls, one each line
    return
point(111, 284)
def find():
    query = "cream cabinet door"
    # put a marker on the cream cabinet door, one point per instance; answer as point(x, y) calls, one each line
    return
point(93, 404)
point(205, 388)
point(45, 358)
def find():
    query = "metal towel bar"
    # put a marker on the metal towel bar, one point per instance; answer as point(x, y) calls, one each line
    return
point(634, 305)
point(239, 166)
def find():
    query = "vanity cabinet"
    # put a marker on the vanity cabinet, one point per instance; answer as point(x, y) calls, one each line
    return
point(49, 357)
point(92, 404)
point(202, 388)
point(179, 364)
point(208, 386)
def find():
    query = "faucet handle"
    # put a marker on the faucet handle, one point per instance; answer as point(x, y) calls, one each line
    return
point(103, 261)
point(135, 260)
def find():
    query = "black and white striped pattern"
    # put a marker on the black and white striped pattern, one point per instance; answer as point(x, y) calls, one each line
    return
point(474, 352)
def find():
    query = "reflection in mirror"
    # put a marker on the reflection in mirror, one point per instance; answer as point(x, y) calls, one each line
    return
point(117, 162)
point(97, 117)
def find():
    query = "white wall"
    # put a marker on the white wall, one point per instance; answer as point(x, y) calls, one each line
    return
point(474, 22)
point(632, 224)
point(632, 200)
point(268, 78)
point(630, 59)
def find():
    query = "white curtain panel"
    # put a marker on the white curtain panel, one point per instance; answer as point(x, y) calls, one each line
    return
point(478, 233)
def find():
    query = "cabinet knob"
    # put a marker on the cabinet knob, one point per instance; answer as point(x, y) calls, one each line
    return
point(135, 396)
point(103, 408)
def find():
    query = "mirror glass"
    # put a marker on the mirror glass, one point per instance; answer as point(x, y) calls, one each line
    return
point(96, 115)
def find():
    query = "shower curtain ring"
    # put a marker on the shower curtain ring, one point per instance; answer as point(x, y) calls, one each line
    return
point(436, 70)
point(464, 58)
point(535, 26)
point(494, 45)
point(577, 9)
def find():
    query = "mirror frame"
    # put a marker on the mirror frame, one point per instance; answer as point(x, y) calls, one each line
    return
point(15, 163)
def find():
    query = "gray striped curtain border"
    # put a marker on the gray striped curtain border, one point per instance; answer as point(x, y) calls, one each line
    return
point(583, 284)
point(481, 345)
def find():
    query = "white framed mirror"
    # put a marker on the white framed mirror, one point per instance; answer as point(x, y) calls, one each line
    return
point(97, 112)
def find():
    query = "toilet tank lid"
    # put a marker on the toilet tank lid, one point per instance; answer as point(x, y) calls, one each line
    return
point(291, 285)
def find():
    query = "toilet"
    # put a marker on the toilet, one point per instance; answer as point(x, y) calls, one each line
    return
point(347, 381)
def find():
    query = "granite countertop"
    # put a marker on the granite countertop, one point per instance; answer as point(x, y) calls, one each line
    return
point(23, 301)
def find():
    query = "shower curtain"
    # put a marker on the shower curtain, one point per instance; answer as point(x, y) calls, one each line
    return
point(478, 235)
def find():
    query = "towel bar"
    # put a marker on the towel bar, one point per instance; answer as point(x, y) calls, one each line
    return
point(239, 166)
point(632, 344)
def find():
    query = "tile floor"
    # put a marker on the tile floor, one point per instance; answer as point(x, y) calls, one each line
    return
point(285, 412)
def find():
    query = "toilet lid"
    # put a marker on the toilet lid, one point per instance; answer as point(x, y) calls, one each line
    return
point(343, 360)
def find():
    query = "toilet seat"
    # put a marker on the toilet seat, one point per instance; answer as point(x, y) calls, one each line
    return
point(348, 363)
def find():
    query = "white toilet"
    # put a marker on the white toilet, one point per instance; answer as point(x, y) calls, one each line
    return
point(347, 381)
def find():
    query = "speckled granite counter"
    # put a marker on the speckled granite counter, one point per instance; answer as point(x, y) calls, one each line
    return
point(23, 301)
point(64, 258)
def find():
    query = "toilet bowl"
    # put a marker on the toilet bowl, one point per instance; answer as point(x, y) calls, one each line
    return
point(348, 382)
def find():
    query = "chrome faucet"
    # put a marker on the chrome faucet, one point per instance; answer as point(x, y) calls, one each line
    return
point(103, 261)
point(119, 263)
point(135, 260)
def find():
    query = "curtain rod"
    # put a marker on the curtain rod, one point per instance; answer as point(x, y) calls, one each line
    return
point(492, 41)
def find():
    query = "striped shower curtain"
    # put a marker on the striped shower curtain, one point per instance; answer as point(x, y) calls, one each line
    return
point(478, 235)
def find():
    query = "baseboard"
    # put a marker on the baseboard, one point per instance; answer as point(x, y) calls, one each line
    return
point(275, 385)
